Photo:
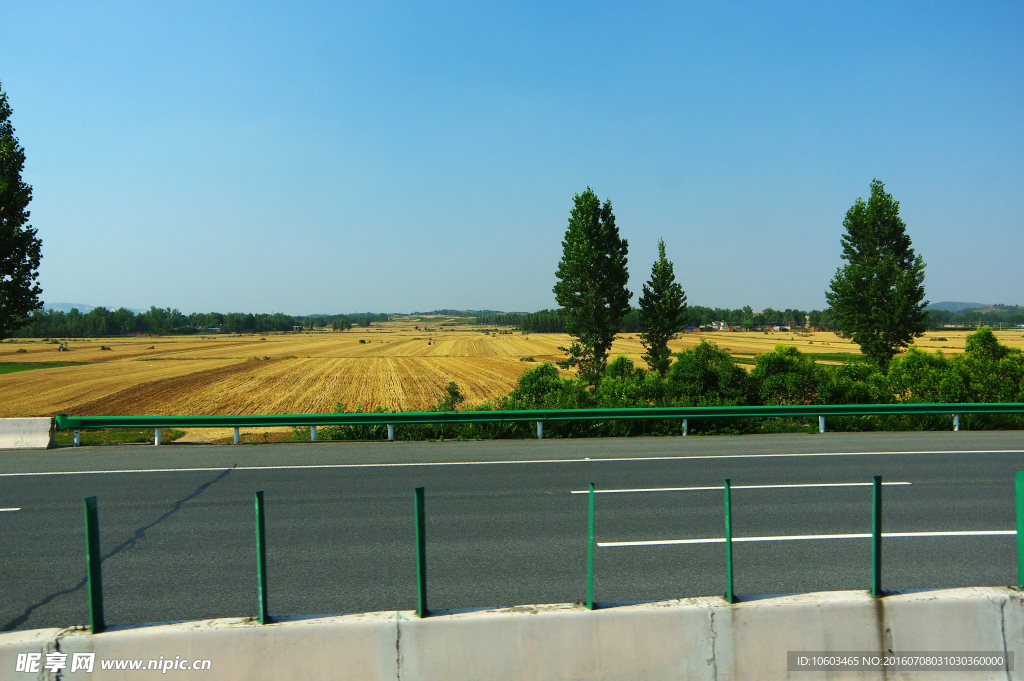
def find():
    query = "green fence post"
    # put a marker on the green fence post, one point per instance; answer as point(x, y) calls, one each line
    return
point(590, 551)
point(421, 556)
point(730, 595)
point(261, 558)
point(876, 538)
point(1020, 530)
point(92, 566)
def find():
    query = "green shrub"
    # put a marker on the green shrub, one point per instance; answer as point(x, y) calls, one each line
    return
point(706, 375)
point(784, 376)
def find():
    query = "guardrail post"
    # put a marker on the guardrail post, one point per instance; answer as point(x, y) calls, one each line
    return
point(876, 538)
point(391, 432)
point(261, 558)
point(540, 430)
point(730, 595)
point(312, 433)
point(686, 426)
point(94, 580)
point(156, 436)
point(821, 424)
point(236, 435)
point(590, 549)
point(76, 438)
point(956, 422)
point(421, 555)
point(1020, 530)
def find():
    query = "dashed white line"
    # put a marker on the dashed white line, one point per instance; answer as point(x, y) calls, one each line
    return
point(797, 537)
point(719, 487)
point(9, 509)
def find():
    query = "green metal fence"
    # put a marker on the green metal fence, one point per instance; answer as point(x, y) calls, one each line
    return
point(65, 422)
point(95, 588)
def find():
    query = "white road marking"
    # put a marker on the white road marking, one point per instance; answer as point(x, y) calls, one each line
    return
point(9, 509)
point(719, 487)
point(699, 457)
point(796, 537)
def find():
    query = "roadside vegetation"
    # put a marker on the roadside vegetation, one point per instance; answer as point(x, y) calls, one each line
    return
point(116, 436)
point(708, 376)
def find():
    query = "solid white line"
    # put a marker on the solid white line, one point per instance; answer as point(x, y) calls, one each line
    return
point(796, 537)
point(719, 487)
point(699, 457)
point(9, 509)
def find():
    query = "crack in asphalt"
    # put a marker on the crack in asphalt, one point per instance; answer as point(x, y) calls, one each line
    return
point(123, 546)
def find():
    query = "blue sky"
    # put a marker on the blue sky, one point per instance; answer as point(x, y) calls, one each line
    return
point(338, 157)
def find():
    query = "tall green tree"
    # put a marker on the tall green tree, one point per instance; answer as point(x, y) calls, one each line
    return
point(662, 312)
point(19, 247)
point(591, 288)
point(877, 297)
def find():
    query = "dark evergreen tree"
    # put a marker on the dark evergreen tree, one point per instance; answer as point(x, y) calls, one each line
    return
point(591, 288)
point(877, 297)
point(662, 312)
point(19, 246)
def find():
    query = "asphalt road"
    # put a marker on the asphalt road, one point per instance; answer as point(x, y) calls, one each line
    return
point(503, 526)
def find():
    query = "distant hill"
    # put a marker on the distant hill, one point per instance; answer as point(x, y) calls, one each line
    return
point(951, 306)
point(998, 308)
point(462, 313)
point(67, 307)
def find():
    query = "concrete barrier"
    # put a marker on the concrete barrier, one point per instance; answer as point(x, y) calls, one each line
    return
point(33, 433)
point(700, 638)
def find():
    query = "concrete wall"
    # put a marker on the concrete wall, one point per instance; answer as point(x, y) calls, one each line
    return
point(703, 638)
point(34, 433)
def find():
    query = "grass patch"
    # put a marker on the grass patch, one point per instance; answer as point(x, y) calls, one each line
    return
point(257, 438)
point(838, 356)
point(12, 367)
point(116, 436)
point(827, 356)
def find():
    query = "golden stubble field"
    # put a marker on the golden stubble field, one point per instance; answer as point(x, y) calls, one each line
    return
point(396, 367)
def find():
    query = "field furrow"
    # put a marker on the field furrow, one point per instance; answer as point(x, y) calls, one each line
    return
point(397, 367)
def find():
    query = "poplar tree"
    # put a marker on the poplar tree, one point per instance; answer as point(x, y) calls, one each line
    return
point(591, 288)
point(662, 312)
point(19, 247)
point(877, 297)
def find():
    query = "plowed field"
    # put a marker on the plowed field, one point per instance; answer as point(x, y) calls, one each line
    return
point(395, 366)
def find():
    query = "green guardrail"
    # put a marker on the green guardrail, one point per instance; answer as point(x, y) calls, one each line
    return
point(65, 422)
point(95, 586)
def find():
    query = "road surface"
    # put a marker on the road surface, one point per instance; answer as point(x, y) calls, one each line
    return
point(504, 526)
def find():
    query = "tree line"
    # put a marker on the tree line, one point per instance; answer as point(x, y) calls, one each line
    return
point(550, 321)
point(100, 321)
point(1013, 316)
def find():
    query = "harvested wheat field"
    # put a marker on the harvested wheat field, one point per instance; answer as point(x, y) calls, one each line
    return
point(391, 365)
